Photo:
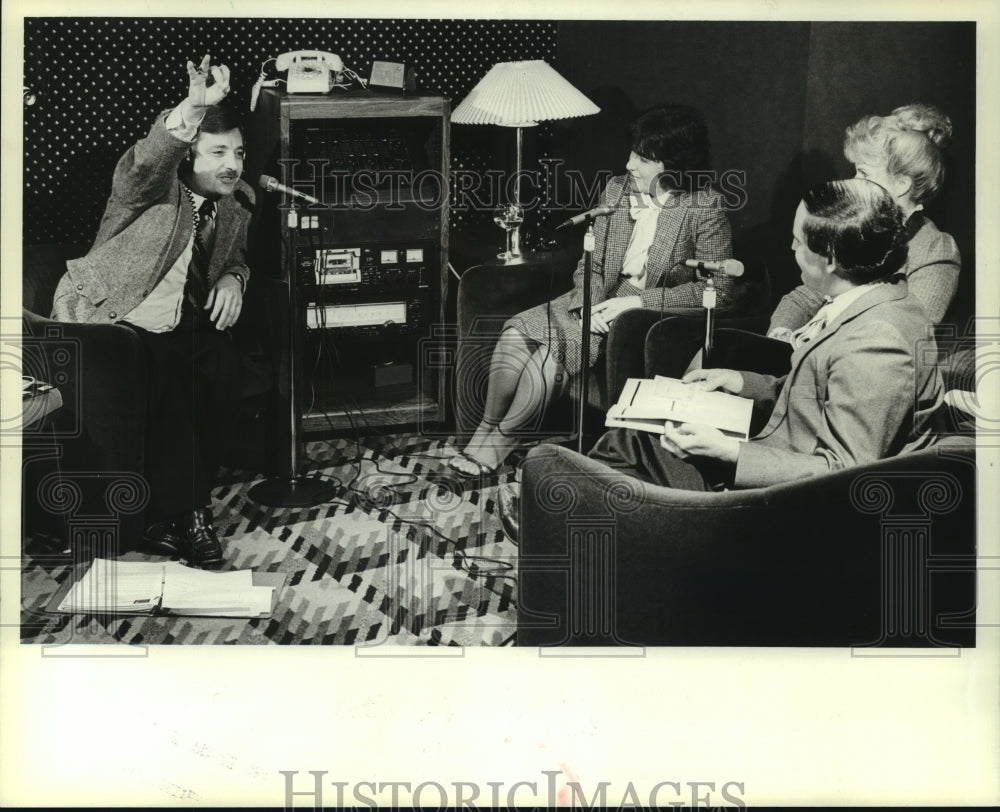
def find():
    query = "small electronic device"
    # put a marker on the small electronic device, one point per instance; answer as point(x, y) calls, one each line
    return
point(330, 273)
point(392, 75)
point(310, 71)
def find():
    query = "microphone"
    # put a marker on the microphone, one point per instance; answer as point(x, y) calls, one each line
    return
point(269, 184)
point(729, 267)
point(593, 214)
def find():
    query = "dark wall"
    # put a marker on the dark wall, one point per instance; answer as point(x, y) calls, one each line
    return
point(749, 80)
point(776, 97)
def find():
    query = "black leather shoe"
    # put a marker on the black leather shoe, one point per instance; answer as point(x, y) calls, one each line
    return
point(509, 508)
point(163, 538)
point(200, 545)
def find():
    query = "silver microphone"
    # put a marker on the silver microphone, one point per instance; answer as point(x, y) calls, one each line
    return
point(729, 267)
point(269, 184)
point(593, 214)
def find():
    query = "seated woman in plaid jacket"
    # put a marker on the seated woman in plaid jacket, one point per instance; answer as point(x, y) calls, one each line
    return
point(660, 219)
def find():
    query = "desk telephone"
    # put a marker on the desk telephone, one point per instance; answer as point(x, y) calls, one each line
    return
point(308, 72)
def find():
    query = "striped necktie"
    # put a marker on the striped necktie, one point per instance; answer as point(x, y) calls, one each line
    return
point(810, 329)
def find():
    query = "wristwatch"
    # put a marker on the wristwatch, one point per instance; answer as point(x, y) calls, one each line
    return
point(241, 279)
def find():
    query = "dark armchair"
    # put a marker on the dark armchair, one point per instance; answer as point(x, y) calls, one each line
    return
point(100, 372)
point(882, 554)
point(98, 433)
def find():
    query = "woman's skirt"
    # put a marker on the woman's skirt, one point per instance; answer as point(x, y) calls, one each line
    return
point(554, 326)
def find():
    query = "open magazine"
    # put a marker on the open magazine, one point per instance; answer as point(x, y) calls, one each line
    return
point(645, 404)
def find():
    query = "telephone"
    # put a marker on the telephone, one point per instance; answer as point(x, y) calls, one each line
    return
point(310, 71)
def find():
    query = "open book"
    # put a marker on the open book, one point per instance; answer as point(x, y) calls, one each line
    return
point(645, 404)
point(138, 587)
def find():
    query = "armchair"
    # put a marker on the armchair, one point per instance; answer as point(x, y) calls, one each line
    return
point(878, 555)
point(101, 374)
point(100, 370)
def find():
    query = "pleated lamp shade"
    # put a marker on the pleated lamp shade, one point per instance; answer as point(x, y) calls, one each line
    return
point(520, 94)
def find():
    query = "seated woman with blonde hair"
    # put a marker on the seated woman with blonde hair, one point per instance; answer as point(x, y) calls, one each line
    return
point(902, 153)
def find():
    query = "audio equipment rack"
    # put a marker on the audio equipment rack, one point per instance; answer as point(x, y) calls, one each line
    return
point(370, 265)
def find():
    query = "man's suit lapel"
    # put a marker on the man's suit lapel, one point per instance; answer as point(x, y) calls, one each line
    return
point(876, 296)
point(180, 234)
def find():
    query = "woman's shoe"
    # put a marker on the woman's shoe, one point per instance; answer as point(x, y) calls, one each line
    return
point(481, 470)
point(509, 508)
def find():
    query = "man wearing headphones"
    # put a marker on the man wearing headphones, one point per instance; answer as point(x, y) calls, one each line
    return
point(169, 261)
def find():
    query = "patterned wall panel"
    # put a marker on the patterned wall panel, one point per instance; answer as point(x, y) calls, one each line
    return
point(102, 80)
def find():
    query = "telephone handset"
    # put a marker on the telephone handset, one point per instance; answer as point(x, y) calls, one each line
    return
point(310, 71)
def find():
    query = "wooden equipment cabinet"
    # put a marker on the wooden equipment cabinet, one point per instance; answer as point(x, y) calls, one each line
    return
point(370, 265)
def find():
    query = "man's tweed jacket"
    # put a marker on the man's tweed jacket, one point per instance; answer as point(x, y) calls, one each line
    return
point(147, 224)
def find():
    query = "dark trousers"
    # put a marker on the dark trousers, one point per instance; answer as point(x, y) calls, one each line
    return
point(639, 454)
point(193, 401)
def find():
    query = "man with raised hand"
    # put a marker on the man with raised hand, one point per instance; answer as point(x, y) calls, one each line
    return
point(169, 261)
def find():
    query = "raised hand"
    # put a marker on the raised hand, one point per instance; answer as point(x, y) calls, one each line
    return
point(200, 93)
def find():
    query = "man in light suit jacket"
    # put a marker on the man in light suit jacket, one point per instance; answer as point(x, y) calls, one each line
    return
point(857, 390)
point(169, 261)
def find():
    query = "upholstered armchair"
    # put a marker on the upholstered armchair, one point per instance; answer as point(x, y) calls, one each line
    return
point(100, 372)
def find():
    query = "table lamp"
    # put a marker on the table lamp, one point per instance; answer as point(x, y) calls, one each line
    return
point(520, 94)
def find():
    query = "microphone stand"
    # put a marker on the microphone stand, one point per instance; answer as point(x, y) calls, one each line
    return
point(294, 490)
point(708, 301)
point(588, 266)
point(589, 242)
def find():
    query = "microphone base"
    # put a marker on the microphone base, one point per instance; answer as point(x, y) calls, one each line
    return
point(294, 493)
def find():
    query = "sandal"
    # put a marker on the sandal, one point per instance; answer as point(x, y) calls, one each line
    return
point(481, 470)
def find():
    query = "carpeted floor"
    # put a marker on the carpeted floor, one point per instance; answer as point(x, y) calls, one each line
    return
point(408, 552)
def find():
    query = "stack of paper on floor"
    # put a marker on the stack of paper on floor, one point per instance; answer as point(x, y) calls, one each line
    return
point(645, 404)
point(143, 586)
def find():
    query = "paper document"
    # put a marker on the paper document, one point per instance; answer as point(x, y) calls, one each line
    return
point(645, 404)
point(143, 587)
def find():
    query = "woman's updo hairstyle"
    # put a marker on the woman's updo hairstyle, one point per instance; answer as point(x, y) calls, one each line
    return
point(908, 143)
point(857, 225)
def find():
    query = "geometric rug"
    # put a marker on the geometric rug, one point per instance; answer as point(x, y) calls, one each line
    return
point(408, 552)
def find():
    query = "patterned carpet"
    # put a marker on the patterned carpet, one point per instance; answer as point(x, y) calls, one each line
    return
point(407, 553)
